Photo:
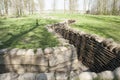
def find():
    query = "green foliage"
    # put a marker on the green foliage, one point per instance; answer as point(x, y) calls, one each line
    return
point(105, 26)
point(24, 33)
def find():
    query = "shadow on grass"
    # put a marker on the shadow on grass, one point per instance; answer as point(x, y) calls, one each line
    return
point(15, 35)
point(15, 38)
point(47, 39)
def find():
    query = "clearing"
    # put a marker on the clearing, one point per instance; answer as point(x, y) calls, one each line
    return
point(104, 26)
point(24, 33)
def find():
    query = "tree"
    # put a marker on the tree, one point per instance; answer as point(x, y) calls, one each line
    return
point(73, 5)
point(19, 7)
point(64, 6)
point(32, 6)
point(6, 6)
point(70, 5)
point(119, 7)
point(1, 8)
point(54, 5)
point(41, 4)
point(106, 7)
point(114, 7)
point(89, 5)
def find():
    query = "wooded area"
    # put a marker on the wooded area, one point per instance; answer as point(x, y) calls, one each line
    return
point(20, 7)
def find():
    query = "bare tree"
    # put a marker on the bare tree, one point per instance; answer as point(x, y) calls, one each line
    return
point(32, 6)
point(84, 6)
point(104, 11)
point(70, 5)
point(114, 7)
point(89, 5)
point(1, 4)
point(73, 4)
point(106, 7)
point(54, 5)
point(20, 7)
point(41, 4)
point(64, 6)
point(6, 6)
point(119, 7)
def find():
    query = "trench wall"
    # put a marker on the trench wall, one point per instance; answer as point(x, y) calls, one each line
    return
point(56, 59)
point(97, 53)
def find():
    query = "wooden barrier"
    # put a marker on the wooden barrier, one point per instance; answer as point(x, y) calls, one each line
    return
point(96, 53)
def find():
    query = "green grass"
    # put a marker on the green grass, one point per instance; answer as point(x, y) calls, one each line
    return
point(104, 26)
point(24, 33)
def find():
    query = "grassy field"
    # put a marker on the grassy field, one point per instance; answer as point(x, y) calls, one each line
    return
point(104, 26)
point(24, 33)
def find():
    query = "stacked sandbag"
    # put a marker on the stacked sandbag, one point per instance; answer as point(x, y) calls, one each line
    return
point(106, 75)
point(56, 59)
point(22, 60)
point(117, 73)
point(63, 60)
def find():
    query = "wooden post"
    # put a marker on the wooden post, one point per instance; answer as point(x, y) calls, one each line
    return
point(37, 22)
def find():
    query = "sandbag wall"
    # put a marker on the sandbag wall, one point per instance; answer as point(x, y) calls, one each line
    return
point(96, 53)
point(56, 59)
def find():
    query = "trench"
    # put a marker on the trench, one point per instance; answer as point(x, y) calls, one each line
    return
point(95, 55)
point(98, 56)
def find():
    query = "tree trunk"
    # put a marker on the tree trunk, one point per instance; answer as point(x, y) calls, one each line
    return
point(54, 5)
point(0, 12)
point(41, 3)
point(6, 6)
point(114, 8)
point(84, 6)
point(64, 6)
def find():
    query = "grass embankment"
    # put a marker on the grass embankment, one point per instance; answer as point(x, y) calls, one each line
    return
point(104, 26)
point(24, 33)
